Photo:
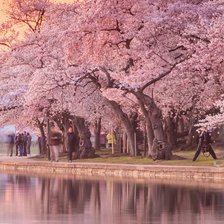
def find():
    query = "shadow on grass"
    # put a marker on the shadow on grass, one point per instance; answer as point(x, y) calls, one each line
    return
point(177, 157)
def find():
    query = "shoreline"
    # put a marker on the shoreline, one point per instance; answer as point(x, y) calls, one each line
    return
point(160, 172)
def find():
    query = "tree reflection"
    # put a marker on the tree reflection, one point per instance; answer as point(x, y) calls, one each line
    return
point(109, 200)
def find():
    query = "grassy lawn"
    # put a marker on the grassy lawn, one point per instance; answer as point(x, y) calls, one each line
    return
point(181, 158)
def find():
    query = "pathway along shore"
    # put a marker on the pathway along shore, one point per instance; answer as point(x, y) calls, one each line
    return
point(187, 173)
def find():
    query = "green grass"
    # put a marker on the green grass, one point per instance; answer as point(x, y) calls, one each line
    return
point(181, 158)
point(186, 159)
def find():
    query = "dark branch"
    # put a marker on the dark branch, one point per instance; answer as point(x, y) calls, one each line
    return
point(192, 37)
point(117, 28)
point(10, 108)
point(4, 44)
point(181, 47)
point(130, 63)
point(162, 75)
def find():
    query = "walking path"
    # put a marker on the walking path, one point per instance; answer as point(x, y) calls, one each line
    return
point(4, 158)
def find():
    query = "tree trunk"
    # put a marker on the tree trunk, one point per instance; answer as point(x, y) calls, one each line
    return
point(149, 130)
point(118, 139)
point(43, 149)
point(160, 147)
point(62, 121)
point(145, 147)
point(48, 137)
point(65, 135)
point(190, 136)
point(149, 135)
point(124, 142)
point(171, 132)
point(181, 124)
point(97, 131)
point(126, 124)
point(86, 149)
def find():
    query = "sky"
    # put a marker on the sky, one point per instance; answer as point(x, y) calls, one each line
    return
point(4, 5)
point(3, 17)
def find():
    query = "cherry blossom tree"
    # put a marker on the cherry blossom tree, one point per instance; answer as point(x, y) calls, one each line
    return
point(215, 120)
point(15, 73)
point(127, 48)
point(127, 62)
point(200, 80)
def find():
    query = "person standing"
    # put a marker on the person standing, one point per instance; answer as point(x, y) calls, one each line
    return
point(42, 144)
point(24, 143)
point(29, 141)
point(19, 144)
point(72, 143)
point(16, 143)
point(109, 139)
point(39, 144)
point(55, 141)
point(11, 141)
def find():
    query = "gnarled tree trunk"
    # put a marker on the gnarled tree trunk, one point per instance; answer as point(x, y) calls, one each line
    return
point(160, 147)
point(62, 121)
point(171, 131)
point(149, 135)
point(86, 149)
point(65, 134)
point(148, 127)
point(43, 149)
point(191, 134)
point(125, 123)
point(97, 130)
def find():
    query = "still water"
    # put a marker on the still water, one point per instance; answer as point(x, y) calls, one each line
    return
point(48, 200)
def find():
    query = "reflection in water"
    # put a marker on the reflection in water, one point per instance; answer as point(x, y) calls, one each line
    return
point(27, 199)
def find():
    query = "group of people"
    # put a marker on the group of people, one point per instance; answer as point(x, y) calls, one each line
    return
point(22, 141)
point(56, 140)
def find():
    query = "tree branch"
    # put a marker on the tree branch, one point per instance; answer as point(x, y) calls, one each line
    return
point(162, 75)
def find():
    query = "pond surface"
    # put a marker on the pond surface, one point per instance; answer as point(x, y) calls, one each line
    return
point(27, 199)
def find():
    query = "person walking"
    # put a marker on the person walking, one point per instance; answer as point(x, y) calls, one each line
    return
point(72, 143)
point(55, 141)
point(204, 145)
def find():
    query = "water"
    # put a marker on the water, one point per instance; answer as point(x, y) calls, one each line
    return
point(49, 200)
